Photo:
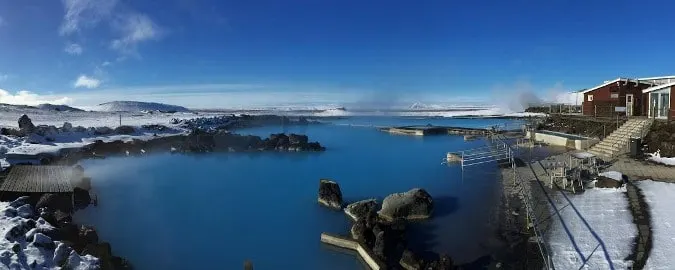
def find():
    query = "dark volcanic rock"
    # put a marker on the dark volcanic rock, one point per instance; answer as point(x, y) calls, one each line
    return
point(56, 202)
point(413, 204)
point(67, 127)
point(125, 130)
point(330, 194)
point(298, 139)
point(81, 198)
point(119, 263)
point(379, 247)
point(69, 232)
point(25, 124)
point(61, 218)
point(360, 209)
point(359, 230)
point(606, 182)
point(410, 261)
point(43, 241)
point(444, 262)
point(102, 251)
point(20, 202)
point(87, 235)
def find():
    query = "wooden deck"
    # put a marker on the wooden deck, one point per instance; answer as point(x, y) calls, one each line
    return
point(39, 179)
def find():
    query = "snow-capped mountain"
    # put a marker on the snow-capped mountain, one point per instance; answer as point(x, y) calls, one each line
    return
point(137, 106)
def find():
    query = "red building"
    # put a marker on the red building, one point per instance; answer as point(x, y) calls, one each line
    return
point(631, 97)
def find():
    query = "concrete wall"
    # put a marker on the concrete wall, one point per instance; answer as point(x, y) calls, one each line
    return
point(562, 141)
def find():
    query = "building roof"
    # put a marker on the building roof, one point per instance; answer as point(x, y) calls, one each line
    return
point(611, 82)
point(42, 179)
point(658, 87)
point(657, 78)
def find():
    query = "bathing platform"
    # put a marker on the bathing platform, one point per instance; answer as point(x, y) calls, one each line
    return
point(435, 130)
point(347, 243)
point(35, 180)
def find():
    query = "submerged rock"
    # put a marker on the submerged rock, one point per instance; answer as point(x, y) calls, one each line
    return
point(360, 209)
point(330, 194)
point(413, 204)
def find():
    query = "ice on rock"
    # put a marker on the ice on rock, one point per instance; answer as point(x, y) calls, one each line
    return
point(88, 262)
point(25, 211)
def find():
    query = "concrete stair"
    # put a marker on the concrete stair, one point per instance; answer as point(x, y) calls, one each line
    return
point(617, 142)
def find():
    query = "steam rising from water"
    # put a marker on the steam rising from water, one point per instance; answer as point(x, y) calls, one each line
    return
point(521, 95)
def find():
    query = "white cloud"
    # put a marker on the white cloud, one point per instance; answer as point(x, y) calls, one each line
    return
point(81, 14)
point(88, 82)
point(133, 28)
point(29, 98)
point(74, 49)
point(105, 64)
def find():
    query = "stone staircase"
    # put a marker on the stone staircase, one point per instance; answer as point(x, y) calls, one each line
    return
point(617, 142)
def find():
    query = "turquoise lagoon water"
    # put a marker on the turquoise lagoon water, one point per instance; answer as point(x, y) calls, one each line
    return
point(213, 211)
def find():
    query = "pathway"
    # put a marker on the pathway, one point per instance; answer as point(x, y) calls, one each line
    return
point(642, 170)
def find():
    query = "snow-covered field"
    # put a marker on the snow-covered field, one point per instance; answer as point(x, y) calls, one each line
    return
point(661, 199)
point(606, 212)
point(24, 248)
point(656, 157)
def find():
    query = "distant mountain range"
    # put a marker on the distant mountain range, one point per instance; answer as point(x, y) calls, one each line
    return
point(45, 107)
point(137, 106)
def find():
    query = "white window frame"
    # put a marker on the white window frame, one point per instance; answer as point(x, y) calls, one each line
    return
point(590, 98)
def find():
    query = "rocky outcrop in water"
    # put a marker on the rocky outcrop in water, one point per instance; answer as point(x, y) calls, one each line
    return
point(330, 194)
point(413, 204)
point(361, 209)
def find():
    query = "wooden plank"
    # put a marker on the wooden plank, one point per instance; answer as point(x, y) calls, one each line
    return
point(38, 179)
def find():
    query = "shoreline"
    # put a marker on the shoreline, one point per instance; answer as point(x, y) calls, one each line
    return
point(44, 221)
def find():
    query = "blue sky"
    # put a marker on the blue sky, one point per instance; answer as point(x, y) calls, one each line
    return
point(204, 53)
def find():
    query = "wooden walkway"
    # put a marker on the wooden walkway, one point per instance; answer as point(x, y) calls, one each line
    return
point(40, 179)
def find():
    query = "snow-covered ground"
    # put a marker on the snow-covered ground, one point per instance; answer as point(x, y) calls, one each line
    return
point(24, 248)
point(613, 175)
point(606, 211)
point(656, 157)
point(660, 197)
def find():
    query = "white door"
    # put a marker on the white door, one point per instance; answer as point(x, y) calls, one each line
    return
point(629, 104)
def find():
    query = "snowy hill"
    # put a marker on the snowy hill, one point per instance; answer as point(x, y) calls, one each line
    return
point(60, 108)
point(137, 106)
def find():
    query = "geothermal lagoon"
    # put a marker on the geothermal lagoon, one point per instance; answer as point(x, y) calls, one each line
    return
point(215, 210)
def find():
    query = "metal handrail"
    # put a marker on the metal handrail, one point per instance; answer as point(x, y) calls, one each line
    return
point(631, 133)
point(546, 257)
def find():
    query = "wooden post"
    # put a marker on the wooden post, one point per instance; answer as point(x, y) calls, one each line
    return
point(120, 119)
